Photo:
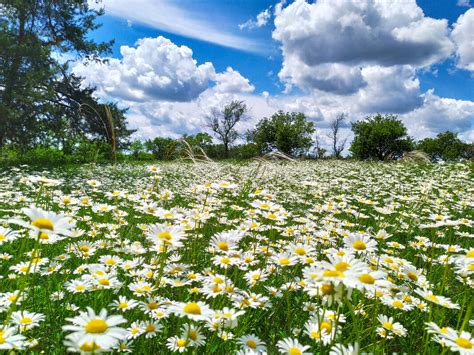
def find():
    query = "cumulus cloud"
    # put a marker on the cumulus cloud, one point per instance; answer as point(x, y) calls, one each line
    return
point(231, 81)
point(167, 92)
point(438, 114)
point(325, 44)
point(463, 36)
point(155, 69)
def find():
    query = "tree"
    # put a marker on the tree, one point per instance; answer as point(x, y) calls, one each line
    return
point(380, 137)
point(446, 146)
point(33, 35)
point(222, 123)
point(338, 145)
point(163, 148)
point(287, 132)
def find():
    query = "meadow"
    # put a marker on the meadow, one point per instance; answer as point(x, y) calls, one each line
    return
point(259, 257)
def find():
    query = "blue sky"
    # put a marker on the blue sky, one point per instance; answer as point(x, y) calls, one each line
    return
point(414, 58)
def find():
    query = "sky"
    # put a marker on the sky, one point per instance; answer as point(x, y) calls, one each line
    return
point(174, 61)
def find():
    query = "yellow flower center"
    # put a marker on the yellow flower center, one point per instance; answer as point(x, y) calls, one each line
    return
point(150, 328)
point(88, 347)
point(367, 279)
point(96, 326)
point(192, 308)
point(332, 273)
point(432, 298)
point(284, 261)
point(412, 276)
point(193, 335)
point(223, 246)
point(164, 235)
point(104, 282)
point(359, 245)
point(110, 262)
point(327, 289)
point(300, 251)
point(252, 344)
point(43, 223)
point(26, 320)
point(294, 351)
point(342, 266)
point(2, 237)
point(387, 325)
point(397, 304)
point(470, 253)
point(153, 305)
point(181, 343)
point(464, 343)
point(315, 335)
point(326, 326)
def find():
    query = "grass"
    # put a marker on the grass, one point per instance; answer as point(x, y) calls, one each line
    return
point(289, 218)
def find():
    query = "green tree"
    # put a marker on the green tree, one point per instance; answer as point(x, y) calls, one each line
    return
point(163, 148)
point(380, 137)
point(446, 146)
point(222, 123)
point(287, 132)
point(33, 35)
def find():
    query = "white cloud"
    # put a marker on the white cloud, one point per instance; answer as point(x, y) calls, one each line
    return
point(464, 3)
point(260, 21)
point(156, 69)
point(326, 44)
point(167, 92)
point(168, 16)
point(438, 114)
point(463, 36)
point(231, 81)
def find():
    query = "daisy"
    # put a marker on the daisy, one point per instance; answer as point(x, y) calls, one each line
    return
point(27, 320)
point(10, 340)
point(320, 332)
point(123, 304)
point(193, 310)
point(251, 343)
point(177, 344)
point(7, 235)
point(368, 281)
point(166, 235)
point(44, 221)
point(440, 300)
point(292, 347)
point(360, 243)
point(99, 329)
point(135, 330)
point(389, 328)
point(193, 334)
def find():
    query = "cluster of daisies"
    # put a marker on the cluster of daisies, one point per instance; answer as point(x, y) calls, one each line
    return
point(291, 258)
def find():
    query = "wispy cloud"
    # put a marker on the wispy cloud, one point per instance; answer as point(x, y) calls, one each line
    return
point(171, 16)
